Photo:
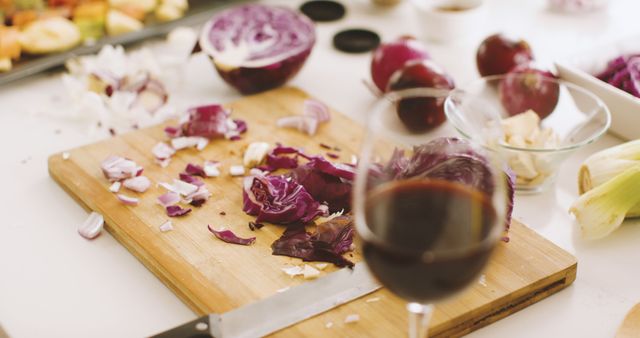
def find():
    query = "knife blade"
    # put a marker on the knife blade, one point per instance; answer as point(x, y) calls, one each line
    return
point(282, 309)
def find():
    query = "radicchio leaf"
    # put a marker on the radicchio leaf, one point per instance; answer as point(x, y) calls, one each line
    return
point(278, 199)
point(327, 244)
point(229, 237)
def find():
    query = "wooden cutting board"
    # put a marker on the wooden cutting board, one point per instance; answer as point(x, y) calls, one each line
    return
point(213, 276)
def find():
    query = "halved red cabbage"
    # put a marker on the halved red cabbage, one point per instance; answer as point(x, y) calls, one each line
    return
point(278, 199)
point(229, 237)
point(327, 244)
point(258, 47)
point(137, 184)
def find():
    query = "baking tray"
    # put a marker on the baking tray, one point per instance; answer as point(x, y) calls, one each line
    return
point(199, 12)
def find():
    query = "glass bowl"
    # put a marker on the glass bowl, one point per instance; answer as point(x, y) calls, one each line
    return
point(578, 118)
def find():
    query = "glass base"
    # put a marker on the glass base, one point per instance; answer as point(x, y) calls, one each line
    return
point(419, 318)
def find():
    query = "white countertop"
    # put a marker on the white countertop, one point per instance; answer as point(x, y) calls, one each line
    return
point(55, 283)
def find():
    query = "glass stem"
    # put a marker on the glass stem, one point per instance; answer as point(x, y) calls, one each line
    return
point(419, 318)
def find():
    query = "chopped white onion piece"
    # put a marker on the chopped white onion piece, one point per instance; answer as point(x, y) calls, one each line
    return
point(169, 198)
point(202, 143)
point(201, 194)
point(167, 186)
point(304, 124)
point(92, 226)
point(163, 163)
point(117, 168)
point(373, 299)
point(183, 188)
point(183, 142)
point(354, 159)
point(256, 172)
point(328, 325)
point(162, 151)
point(211, 169)
point(166, 226)
point(137, 184)
point(115, 187)
point(128, 200)
point(65, 156)
point(352, 318)
point(321, 266)
point(236, 170)
point(293, 270)
point(255, 154)
point(483, 280)
point(310, 272)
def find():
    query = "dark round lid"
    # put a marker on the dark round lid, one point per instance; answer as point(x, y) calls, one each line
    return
point(323, 10)
point(356, 40)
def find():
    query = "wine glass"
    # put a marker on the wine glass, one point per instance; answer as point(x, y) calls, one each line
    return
point(429, 209)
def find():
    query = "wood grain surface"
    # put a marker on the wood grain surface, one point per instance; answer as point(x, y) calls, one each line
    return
point(212, 276)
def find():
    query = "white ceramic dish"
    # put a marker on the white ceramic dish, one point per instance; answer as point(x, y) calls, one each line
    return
point(624, 107)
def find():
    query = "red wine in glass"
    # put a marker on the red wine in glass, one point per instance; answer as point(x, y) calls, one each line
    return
point(430, 236)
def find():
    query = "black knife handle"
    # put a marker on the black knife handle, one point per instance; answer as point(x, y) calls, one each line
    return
point(198, 328)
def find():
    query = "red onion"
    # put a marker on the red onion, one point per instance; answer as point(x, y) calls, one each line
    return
point(316, 109)
point(166, 226)
point(169, 198)
point(137, 184)
point(184, 177)
point(525, 88)
point(177, 211)
point(211, 168)
point(128, 200)
point(391, 56)
point(194, 170)
point(161, 151)
point(257, 47)
point(92, 226)
point(116, 168)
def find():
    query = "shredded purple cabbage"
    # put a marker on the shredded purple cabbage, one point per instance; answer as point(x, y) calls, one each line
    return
point(323, 187)
point(451, 159)
point(278, 199)
point(623, 72)
point(327, 244)
point(229, 237)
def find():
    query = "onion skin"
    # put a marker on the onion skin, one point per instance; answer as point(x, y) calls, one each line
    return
point(498, 54)
point(391, 56)
point(421, 114)
point(254, 80)
point(526, 88)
